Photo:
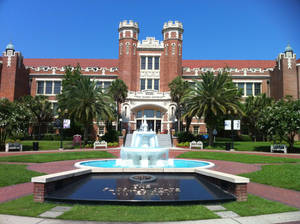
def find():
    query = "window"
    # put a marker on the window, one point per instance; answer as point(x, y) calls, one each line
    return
point(40, 88)
point(241, 86)
point(257, 88)
point(106, 84)
point(156, 63)
point(143, 63)
point(196, 130)
point(149, 63)
point(99, 84)
point(49, 87)
point(143, 84)
point(158, 114)
point(249, 89)
point(139, 114)
point(57, 87)
point(149, 83)
point(156, 84)
point(149, 113)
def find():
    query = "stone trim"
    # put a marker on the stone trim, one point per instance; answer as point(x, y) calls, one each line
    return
point(235, 185)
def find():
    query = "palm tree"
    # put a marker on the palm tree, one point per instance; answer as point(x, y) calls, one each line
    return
point(178, 89)
point(40, 109)
point(118, 91)
point(86, 102)
point(211, 97)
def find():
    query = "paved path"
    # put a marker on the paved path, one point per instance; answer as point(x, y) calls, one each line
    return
point(291, 217)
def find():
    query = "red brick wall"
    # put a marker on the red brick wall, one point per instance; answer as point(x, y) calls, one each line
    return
point(128, 65)
point(14, 79)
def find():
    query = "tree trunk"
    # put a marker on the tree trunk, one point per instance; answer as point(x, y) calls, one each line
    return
point(86, 131)
point(179, 118)
point(210, 136)
point(188, 121)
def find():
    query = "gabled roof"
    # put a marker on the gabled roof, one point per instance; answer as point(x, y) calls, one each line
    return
point(229, 63)
point(62, 62)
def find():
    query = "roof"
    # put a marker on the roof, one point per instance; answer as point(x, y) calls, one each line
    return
point(298, 61)
point(62, 62)
point(229, 63)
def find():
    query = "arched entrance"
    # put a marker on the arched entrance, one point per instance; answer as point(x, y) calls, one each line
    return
point(154, 117)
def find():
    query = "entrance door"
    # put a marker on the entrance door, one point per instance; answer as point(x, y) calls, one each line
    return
point(150, 125)
point(158, 126)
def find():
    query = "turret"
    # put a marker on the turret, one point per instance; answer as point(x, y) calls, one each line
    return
point(128, 39)
point(14, 77)
point(172, 36)
point(284, 79)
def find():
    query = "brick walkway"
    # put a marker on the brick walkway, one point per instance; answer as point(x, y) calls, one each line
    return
point(289, 197)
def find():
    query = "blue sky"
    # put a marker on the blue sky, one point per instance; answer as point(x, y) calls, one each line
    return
point(213, 29)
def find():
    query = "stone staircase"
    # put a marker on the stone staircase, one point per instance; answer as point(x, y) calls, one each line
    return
point(164, 140)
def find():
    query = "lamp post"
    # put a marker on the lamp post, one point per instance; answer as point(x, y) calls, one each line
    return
point(59, 123)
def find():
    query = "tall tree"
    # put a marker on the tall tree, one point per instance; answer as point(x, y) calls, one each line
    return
point(85, 102)
point(281, 120)
point(118, 91)
point(253, 109)
point(14, 120)
point(40, 109)
point(178, 89)
point(211, 97)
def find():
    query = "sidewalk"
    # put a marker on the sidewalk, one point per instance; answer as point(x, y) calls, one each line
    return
point(261, 219)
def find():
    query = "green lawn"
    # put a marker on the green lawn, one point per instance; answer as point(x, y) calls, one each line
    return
point(284, 176)
point(234, 157)
point(257, 206)
point(60, 156)
point(46, 145)
point(25, 206)
point(11, 174)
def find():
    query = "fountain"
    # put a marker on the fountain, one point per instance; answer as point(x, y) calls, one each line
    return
point(144, 150)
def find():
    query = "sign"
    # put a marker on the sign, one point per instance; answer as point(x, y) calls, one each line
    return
point(227, 125)
point(67, 123)
point(237, 125)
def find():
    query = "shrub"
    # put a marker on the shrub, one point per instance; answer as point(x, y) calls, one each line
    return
point(113, 144)
point(183, 144)
point(185, 137)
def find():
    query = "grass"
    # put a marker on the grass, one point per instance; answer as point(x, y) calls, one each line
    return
point(25, 206)
point(15, 174)
point(284, 176)
point(119, 213)
point(46, 145)
point(257, 206)
point(60, 156)
point(234, 157)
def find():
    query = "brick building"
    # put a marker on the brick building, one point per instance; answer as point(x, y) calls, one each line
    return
point(147, 67)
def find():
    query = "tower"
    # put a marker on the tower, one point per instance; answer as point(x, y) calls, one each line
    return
point(172, 37)
point(128, 39)
point(14, 77)
point(284, 80)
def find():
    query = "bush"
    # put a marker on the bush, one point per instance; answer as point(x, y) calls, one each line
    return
point(183, 144)
point(185, 137)
point(111, 136)
point(113, 144)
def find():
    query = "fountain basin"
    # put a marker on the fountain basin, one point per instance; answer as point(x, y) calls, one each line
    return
point(113, 163)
